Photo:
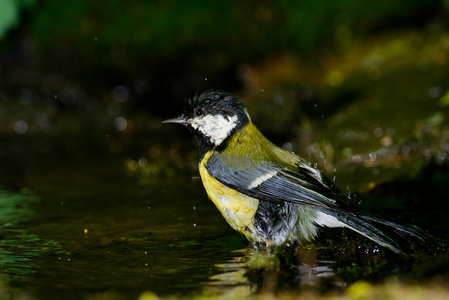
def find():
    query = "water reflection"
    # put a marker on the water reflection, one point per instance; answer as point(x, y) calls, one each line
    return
point(232, 280)
point(254, 271)
point(17, 246)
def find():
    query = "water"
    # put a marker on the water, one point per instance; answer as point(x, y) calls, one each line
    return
point(79, 226)
point(87, 227)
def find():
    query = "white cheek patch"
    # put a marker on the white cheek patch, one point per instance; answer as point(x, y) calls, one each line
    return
point(216, 127)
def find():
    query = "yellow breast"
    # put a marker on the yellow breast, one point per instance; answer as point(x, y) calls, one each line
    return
point(237, 208)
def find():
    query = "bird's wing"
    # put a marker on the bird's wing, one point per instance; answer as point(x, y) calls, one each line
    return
point(272, 182)
point(268, 181)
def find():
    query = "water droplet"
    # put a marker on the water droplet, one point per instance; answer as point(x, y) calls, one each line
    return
point(386, 141)
point(21, 127)
point(378, 132)
point(142, 162)
point(120, 93)
point(287, 146)
point(120, 123)
point(323, 157)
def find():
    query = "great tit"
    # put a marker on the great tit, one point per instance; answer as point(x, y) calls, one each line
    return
point(271, 195)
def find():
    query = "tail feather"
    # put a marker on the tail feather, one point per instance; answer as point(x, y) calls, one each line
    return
point(394, 236)
point(407, 230)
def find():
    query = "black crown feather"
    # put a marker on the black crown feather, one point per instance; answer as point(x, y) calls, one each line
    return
point(213, 102)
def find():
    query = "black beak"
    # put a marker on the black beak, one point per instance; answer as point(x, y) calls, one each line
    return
point(180, 120)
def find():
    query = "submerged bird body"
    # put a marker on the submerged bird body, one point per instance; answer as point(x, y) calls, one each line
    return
point(270, 195)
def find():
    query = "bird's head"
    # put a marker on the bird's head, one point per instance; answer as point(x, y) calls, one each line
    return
point(213, 117)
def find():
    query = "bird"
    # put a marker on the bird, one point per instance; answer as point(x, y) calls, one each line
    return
point(271, 195)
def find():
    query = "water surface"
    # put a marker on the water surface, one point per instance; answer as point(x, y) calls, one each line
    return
point(81, 226)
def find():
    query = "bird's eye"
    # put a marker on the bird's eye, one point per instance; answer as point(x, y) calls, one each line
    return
point(199, 111)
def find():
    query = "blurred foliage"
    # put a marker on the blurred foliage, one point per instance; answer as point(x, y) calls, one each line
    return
point(10, 14)
point(334, 107)
point(178, 42)
point(156, 29)
point(343, 110)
